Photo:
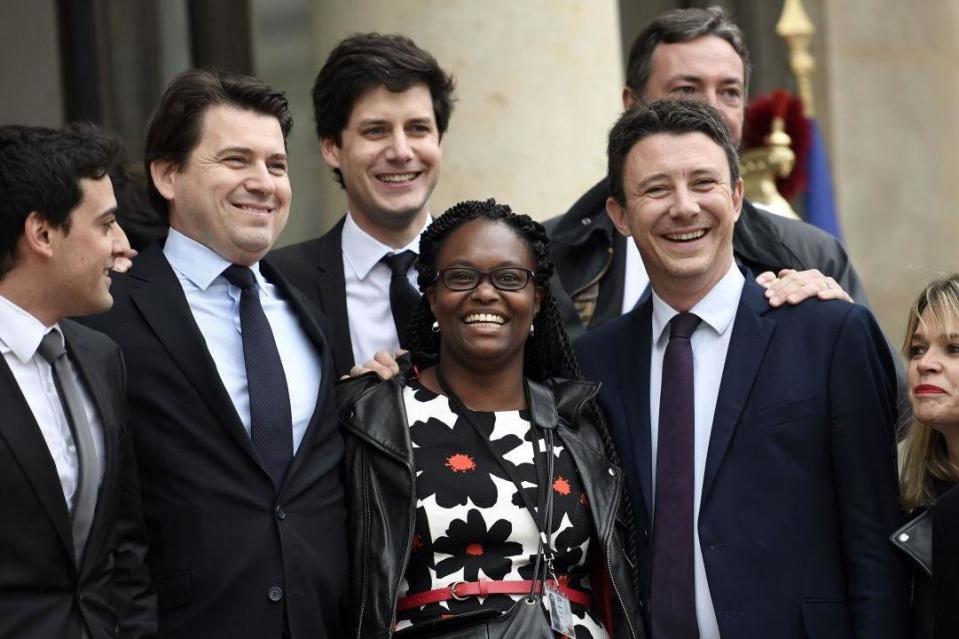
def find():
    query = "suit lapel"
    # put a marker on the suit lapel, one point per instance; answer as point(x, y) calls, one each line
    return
point(331, 283)
point(164, 307)
point(747, 348)
point(98, 386)
point(633, 361)
point(20, 430)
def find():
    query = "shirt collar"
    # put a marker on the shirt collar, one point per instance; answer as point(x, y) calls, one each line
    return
point(197, 262)
point(717, 309)
point(363, 251)
point(20, 332)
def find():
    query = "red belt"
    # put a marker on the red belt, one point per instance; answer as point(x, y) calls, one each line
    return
point(460, 590)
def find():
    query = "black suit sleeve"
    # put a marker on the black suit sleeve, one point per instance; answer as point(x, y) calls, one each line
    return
point(135, 600)
point(862, 416)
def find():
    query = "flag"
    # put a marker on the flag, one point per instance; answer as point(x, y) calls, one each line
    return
point(820, 201)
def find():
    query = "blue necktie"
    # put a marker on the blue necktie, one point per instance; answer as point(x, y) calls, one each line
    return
point(672, 589)
point(271, 421)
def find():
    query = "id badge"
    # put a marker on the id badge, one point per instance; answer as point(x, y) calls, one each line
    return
point(560, 614)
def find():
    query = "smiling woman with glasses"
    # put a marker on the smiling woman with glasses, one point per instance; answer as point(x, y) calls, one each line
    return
point(486, 496)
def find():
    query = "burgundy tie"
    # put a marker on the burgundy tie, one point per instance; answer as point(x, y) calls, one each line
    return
point(673, 590)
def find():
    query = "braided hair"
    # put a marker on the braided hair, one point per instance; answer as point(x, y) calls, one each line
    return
point(548, 353)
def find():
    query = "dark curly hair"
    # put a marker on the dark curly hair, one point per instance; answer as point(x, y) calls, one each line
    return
point(548, 353)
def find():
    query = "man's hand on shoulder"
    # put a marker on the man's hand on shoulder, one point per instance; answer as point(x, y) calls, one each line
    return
point(792, 287)
point(383, 364)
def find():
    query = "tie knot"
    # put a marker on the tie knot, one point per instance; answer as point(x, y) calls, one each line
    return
point(399, 263)
point(239, 276)
point(51, 347)
point(683, 325)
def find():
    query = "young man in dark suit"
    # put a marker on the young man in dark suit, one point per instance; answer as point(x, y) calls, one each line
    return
point(71, 538)
point(230, 380)
point(757, 443)
point(689, 54)
point(381, 106)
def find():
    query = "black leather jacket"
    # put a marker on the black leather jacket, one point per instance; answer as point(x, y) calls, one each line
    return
point(382, 499)
point(915, 539)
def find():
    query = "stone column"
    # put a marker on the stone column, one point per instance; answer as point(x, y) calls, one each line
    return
point(890, 100)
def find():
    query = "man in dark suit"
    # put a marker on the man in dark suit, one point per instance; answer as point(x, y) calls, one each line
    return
point(71, 538)
point(230, 380)
point(691, 54)
point(381, 106)
point(758, 443)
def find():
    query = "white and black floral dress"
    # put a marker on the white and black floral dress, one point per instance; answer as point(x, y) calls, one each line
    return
point(471, 521)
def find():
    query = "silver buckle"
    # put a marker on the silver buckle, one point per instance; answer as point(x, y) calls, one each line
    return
point(453, 591)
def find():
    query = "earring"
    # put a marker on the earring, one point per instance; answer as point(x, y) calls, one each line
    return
point(436, 327)
point(532, 329)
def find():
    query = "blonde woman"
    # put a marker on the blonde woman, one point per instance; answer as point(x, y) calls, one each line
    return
point(930, 451)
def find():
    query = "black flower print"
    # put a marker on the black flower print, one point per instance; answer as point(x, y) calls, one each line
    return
point(474, 548)
point(471, 523)
point(454, 464)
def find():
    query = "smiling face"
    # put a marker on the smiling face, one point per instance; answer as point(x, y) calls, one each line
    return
point(933, 375)
point(83, 256)
point(484, 327)
point(680, 209)
point(233, 192)
point(708, 69)
point(389, 155)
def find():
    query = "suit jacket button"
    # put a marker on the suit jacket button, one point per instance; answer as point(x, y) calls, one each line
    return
point(275, 593)
point(280, 513)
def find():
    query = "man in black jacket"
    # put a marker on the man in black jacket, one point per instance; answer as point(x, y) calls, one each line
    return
point(689, 53)
point(230, 380)
point(71, 533)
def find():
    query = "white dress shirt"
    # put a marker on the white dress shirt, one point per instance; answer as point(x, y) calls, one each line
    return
point(368, 290)
point(20, 335)
point(215, 304)
point(710, 343)
point(636, 280)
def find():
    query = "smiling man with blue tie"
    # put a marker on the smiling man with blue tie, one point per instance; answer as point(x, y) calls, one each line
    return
point(230, 380)
point(757, 442)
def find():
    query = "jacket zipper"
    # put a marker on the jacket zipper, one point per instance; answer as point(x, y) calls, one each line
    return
point(367, 516)
point(609, 563)
point(409, 548)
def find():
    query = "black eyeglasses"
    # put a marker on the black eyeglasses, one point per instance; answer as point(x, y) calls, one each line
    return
point(464, 278)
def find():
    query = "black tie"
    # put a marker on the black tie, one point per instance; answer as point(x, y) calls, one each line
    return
point(271, 421)
point(403, 297)
point(673, 589)
point(88, 467)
